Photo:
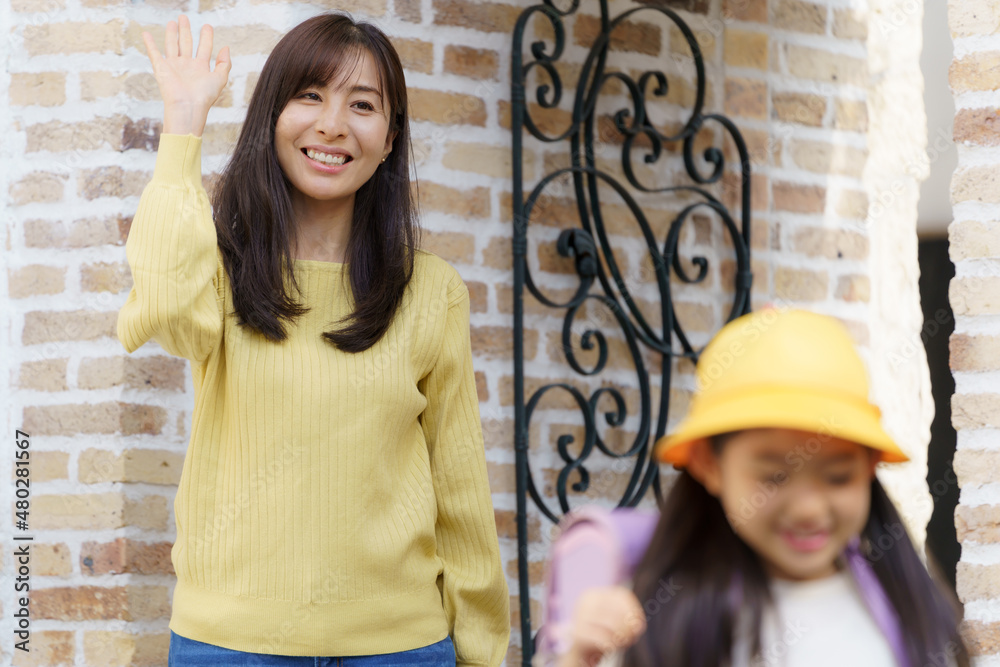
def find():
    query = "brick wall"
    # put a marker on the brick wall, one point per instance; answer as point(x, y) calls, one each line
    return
point(975, 248)
point(81, 119)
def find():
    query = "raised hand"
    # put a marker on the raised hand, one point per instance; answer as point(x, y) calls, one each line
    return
point(605, 620)
point(188, 84)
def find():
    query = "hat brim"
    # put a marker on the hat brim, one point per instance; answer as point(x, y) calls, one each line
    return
point(780, 408)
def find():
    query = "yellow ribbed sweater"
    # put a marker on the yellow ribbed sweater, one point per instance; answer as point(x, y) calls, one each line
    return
point(331, 504)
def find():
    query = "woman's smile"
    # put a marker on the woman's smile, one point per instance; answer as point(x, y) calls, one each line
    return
point(329, 161)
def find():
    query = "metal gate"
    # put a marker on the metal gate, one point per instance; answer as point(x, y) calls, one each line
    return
point(585, 240)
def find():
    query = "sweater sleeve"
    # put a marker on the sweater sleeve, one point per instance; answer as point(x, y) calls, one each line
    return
point(173, 254)
point(474, 589)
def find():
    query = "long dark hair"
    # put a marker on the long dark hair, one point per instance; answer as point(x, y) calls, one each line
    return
point(698, 579)
point(252, 202)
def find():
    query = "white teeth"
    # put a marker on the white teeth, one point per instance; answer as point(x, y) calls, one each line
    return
point(326, 158)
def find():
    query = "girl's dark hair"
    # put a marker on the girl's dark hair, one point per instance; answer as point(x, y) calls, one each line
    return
point(698, 580)
point(711, 576)
point(252, 202)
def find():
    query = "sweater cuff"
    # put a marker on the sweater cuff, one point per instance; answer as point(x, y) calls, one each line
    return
point(178, 160)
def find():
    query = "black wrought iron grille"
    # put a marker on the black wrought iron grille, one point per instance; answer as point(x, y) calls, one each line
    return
point(585, 240)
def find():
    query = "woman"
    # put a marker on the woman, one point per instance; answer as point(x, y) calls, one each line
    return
point(334, 499)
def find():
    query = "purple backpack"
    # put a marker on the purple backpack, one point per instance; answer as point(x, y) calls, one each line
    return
point(599, 547)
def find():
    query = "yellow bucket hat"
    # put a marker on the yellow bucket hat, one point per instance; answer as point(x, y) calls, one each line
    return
point(781, 369)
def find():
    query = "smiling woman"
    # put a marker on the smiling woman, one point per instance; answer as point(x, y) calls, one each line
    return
point(335, 87)
point(334, 501)
point(339, 129)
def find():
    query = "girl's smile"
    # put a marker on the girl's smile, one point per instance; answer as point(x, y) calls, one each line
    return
point(806, 542)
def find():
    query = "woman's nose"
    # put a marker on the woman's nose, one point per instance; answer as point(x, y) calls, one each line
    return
point(331, 121)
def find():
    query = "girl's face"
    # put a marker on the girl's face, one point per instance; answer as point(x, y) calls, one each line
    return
point(795, 498)
point(331, 138)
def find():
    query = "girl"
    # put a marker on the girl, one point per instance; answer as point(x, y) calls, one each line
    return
point(777, 544)
point(334, 499)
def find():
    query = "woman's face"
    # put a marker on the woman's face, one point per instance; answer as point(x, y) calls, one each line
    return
point(331, 138)
point(795, 498)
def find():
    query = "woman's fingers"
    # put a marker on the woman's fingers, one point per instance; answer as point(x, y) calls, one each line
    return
point(224, 61)
point(205, 44)
point(185, 38)
point(171, 47)
point(154, 53)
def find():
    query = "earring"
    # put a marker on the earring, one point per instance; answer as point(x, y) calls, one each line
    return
point(383, 159)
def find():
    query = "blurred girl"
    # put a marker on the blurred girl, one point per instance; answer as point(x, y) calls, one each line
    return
point(777, 545)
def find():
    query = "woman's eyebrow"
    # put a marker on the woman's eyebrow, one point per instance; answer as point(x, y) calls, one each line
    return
point(365, 89)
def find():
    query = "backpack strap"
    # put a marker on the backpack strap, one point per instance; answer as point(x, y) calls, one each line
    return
point(877, 601)
point(596, 547)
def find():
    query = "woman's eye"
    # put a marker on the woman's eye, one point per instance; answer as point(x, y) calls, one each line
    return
point(309, 96)
point(365, 106)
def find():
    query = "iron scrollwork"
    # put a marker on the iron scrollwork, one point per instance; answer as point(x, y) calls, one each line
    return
point(590, 249)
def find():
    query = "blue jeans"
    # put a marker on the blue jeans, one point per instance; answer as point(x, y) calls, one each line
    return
point(186, 652)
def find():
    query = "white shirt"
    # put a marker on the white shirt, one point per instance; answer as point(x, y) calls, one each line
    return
point(821, 623)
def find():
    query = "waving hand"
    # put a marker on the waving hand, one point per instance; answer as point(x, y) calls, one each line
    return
point(188, 84)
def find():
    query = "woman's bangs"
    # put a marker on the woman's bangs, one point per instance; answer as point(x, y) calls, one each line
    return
point(333, 62)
